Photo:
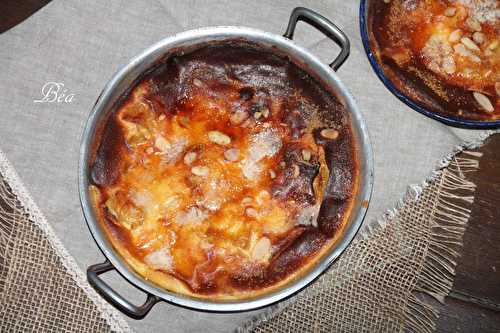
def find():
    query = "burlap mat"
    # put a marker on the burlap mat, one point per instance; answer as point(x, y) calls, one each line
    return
point(41, 288)
point(376, 284)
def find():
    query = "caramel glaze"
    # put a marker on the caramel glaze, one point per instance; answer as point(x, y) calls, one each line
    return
point(389, 32)
point(289, 92)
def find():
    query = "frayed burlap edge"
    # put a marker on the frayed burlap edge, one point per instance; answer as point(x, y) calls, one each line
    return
point(439, 268)
point(114, 319)
point(413, 191)
point(449, 224)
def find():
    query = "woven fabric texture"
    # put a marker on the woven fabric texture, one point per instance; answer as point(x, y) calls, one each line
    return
point(37, 294)
point(376, 284)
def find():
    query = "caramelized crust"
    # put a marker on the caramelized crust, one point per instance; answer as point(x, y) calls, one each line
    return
point(225, 173)
point(443, 54)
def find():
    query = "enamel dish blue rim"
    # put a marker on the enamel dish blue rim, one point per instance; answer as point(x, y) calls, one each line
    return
point(448, 120)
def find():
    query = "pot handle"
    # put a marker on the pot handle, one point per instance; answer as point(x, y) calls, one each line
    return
point(131, 310)
point(325, 26)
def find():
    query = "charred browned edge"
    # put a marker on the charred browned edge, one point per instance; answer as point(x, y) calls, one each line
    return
point(413, 80)
point(302, 243)
point(106, 167)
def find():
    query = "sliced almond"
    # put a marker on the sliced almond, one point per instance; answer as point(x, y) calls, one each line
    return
point(238, 117)
point(265, 112)
point(469, 43)
point(251, 212)
point(329, 133)
point(473, 24)
point(162, 116)
point(247, 123)
point(478, 37)
point(455, 36)
point(190, 157)
point(219, 138)
point(272, 174)
point(474, 58)
point(401, 58)
point(461, 50)
point(262, 197)
point(162, 144)
point(232, 154)
point(200, 171)
point(306, 154)
point(198, 83)
point(246, 201)
point(449, 65)
point(450, 11)
point(257, 115)
point(295, 171)
point(483, 101)
point(262, 250)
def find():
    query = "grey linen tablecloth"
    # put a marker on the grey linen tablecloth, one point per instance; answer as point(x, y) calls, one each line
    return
point(81, 44)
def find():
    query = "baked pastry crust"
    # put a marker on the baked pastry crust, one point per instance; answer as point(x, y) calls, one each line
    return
point(445, 55)
point(225, 173)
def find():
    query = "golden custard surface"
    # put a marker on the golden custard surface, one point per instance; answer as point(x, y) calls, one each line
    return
point(210, 182)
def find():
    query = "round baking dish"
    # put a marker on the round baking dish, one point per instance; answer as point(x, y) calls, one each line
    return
point(128, 75)
point(364, 12)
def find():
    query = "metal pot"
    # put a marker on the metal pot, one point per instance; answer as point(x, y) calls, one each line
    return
point(124, 79)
